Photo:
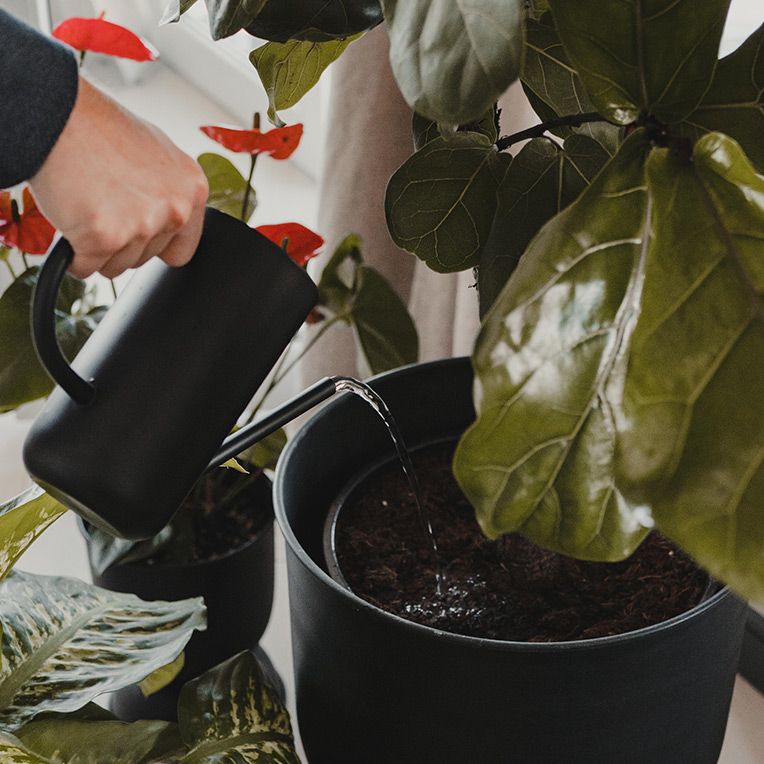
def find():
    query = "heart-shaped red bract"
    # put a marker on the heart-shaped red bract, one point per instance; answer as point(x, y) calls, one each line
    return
point(30, 231)
point(101, 36)
point(279, 143)
point(300, 243)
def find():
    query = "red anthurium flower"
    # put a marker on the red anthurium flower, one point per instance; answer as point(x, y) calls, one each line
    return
point(101, 36)
point(300, 243)
point(279, 142)
point(29, 230)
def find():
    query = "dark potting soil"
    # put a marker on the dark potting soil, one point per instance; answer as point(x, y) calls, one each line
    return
point(507, 589)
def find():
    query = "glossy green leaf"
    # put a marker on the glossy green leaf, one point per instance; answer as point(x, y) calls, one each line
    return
point(691, 441)
point(22, 520)
point(159, 679)
point(734, 103)
point(232, 714)
point(265, 453)
point(634, 55)
point(548, 363)
point(105, 550)
point(229, 16)
point(453, 60)
point(228, 186)
point(425, 130)
point(289, 70)
point(315, 20)
point(66, 642)
point(440, 204)
point(543, 179)
point(174, 10)
point(336, 287)
point(22, 378)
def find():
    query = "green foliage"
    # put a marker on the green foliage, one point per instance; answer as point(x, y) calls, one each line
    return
point(289, 70)
point(163, 676)
point(363, 298)
point(228, 187)
point(265, 453)
point(440, 204)
point(425, 130)
point(453, 60)
point(315, 20)
point(227, 17)
point(174, 10)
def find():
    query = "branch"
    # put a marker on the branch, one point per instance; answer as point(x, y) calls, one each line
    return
point(572, 120)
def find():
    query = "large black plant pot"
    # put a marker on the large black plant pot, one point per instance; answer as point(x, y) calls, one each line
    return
point(238, 591)
point(374, 688)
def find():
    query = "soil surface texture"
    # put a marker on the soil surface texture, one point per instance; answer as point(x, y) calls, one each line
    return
point(506, 589)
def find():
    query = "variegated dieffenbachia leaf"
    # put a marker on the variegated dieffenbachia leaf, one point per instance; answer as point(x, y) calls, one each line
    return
point(22, 520)
point(548, 369)
point(232, 714)
point(66, 642)
point(13, 751)
point(691, 440)
point(632, 57)
point(440, 204)
point(452, 60)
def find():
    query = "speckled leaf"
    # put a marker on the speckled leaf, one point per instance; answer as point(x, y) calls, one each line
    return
point(229, 16)
point(734, 103)
point(539, 458)
point(159, 679)
point(66, 642)
point(691, 442)
point(634, 55)
point(452, 60)
point(440, 204)
point(227, 186)
point(13, 751)
point(289, 70)
point(425, 130)
point(543, 179)
point(315, 20)
point(231, 714)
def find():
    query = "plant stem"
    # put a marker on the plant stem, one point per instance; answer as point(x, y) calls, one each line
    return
point(10, 268)
point(26, 262)
point(113, 288)
point(571, 120)
point(248, 189)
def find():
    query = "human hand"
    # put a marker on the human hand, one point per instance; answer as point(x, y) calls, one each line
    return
point(120, 190)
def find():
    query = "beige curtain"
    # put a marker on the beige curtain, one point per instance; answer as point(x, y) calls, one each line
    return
point(368, 138)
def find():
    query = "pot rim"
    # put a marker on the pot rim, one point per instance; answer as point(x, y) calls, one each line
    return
point(469, 642)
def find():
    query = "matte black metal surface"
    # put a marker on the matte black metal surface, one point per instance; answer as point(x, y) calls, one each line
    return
point(175, 362)
point(374, 688)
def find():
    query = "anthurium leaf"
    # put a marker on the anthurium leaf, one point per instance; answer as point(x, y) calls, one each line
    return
point(174, 10)
point(543, 179)
point(440, 204)
point(452, 60)
point(160, 678)
point(337, 285)
point(631, 58)
point(539, 458)
point(315, 20)
point(289, 70)
point(22, 520)
point(691, 441)
point(69, 739)
point(228, 186)
point(22, 378)
point(229, 16)
point(231, 713)
point(386, 334)
point(734, 104)
point(265, 453)
point(105, 550)
point(54, 635)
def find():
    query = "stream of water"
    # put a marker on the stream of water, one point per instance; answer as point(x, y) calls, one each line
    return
point(362, 390)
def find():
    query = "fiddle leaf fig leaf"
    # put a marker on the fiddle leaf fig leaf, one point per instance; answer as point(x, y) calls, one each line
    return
point(315, 20)
point(54, 632)
point(734, 104)
point(174, 10)
point(22, 520)
point(440, 204)
point(227, 17)
point(453, 60)
point(548, 362)
point(543, 179)
point(691, 438)
point(231, 713)
point(289, 70)
point(22, 378)
point(228, 186)
point(425, 130)
point(631, 59)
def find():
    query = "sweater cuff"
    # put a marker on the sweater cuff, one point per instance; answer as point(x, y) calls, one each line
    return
point(39, 79)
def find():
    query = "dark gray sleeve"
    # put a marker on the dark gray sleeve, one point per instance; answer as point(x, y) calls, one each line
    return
point(38, 88)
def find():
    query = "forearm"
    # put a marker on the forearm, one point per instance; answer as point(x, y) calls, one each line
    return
point(39, 82)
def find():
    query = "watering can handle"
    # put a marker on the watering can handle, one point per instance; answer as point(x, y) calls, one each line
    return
point(44, 325)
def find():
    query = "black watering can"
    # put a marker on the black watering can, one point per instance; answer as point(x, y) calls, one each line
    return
point(145, 406)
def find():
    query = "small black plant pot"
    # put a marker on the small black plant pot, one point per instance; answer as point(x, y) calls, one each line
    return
point(375, 688)
point(237, 588)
